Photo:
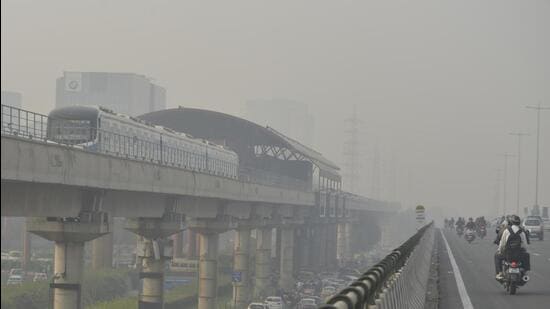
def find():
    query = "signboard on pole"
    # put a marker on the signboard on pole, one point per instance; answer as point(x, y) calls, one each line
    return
point(236, 276)
point(420, 215)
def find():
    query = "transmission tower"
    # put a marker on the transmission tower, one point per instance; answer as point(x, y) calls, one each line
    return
point(352, 153)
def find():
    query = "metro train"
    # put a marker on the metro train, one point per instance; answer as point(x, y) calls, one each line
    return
point(99, 129)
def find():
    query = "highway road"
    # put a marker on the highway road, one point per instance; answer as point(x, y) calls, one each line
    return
point(475, 264)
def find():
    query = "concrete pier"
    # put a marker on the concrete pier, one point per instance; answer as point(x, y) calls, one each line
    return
point(153, 249)
point(263, 262)
point(241, 289)
point(69, 235)
point(208, 269)
point(102, 252)
point(286, 280)
point(152, 275)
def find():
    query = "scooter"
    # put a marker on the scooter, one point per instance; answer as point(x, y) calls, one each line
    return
point(470, 235)
point(514, 276)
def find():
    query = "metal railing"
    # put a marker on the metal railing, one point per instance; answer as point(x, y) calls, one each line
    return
point(398, 281)
point(27, 124)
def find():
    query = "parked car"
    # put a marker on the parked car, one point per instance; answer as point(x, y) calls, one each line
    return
point(535, 226)
point(16, 271)
point(274, 302)
point(307, 303)
point(15, 280)
point(40, 277)
point(257, 306)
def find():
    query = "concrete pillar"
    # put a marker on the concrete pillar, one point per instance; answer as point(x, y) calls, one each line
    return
point(333, 245)
point(341, 243)
point(208, 270)
point(315, 249)
point(191, 244)
point(241, 290)
point(278, 246)
point(306, 258)
point(68, 269)
point(348, 253)
point(152, 275)
point(153, 249)
point(263, 263)
point(286, 280)
point(102, 252)
point(322, 229)
point(25, 262)
point(177, 240)
point(69, 235)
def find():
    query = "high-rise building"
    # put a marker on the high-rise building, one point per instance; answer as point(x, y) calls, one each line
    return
point(11, 98)
point(125, 93)
point(286, 116)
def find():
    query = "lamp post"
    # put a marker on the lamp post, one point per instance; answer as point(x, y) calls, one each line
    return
point(518, 181)
point(506, 155)
point(538, 108)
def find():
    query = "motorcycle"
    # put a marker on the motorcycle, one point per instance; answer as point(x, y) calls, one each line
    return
point(514, 276)
point(482, 232)
point(459, 230)
point(470, 236)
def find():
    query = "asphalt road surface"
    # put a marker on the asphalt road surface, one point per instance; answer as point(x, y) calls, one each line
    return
point(476, 267)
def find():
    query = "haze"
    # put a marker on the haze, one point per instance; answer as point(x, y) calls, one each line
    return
point(438, 84)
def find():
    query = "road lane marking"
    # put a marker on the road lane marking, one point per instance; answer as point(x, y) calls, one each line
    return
point(466, 302)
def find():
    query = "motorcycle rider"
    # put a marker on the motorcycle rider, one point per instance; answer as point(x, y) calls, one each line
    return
point(511, 236)
point(471, 225)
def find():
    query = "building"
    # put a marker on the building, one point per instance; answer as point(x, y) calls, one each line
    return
point(286, 116)
point(11, 98)
point(125, 93)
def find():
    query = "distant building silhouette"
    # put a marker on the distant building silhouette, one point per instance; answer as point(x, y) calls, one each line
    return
point(126, 93)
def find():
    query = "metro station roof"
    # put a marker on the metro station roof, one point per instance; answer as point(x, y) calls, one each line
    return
point(217, 126)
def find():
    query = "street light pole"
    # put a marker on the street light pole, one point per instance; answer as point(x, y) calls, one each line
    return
point(538, 108)
point(506, 155)
point(519, 135)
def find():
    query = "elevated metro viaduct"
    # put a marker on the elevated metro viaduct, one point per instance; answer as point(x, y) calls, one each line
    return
point(73, 195)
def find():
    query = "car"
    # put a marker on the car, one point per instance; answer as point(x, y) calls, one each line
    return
point(15, 280)
point(307, 303)
point(257, 306)
point(16, 271)
point(534, 226)
point(39, 277)
point(274, 302)
point(327, 292)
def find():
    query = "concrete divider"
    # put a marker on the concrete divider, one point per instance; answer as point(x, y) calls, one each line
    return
point(398, 281)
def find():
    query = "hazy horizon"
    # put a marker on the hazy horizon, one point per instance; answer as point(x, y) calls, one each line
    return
point(439, 85)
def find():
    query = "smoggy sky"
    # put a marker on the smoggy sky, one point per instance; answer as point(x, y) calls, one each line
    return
point(439, 84)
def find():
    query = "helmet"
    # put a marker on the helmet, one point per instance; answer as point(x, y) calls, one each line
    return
point(470, 219)
point(515, 220)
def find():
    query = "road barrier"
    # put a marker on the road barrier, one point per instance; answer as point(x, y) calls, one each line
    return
point(398, 281)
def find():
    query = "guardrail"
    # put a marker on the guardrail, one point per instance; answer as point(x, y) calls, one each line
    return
point(398, 281)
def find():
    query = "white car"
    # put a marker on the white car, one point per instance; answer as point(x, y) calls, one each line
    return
point(274, 302)
point(40, 277)
point(15, 280)
point(257, 306)
point(535, 226)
